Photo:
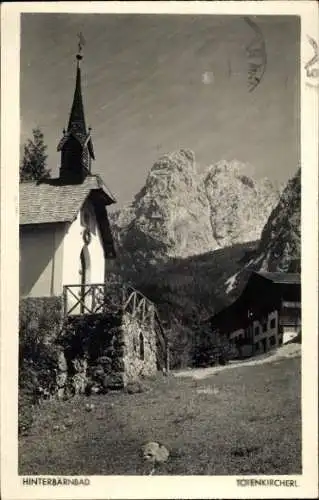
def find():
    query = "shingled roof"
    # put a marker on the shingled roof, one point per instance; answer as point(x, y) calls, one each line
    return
point(284, 278)
point(51, 201)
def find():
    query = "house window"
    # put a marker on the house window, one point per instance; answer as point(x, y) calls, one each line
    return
point(141, 346)
point(264, 326)
point(273, 323)
point(256, 331)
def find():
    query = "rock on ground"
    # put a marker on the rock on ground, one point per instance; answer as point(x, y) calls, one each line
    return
point(155, 452)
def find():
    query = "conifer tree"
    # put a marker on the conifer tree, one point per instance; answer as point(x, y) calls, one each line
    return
point(34, 162)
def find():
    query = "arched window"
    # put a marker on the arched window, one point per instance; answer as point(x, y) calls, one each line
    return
point(85, 265)
point(85, 269)
point(141, 346)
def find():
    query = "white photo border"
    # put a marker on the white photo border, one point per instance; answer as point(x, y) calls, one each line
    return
point(128, 487)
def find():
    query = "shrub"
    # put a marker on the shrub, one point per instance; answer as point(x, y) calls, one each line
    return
point(27, 395)
point(90, 336)
point(39, 324)
point(180, 337)
point(25, 408)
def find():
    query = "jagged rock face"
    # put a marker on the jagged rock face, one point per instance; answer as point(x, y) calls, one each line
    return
point(172, 207)
point(169, 217)
point(280, 244)
point(180, 212)
point(239, 205)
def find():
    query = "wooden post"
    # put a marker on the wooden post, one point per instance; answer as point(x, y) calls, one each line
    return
point(65, 302)
point(93, 288)
point(104, 292)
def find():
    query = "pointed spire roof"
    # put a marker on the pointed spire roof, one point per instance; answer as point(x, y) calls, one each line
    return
point(76, 126)
point(77, 119)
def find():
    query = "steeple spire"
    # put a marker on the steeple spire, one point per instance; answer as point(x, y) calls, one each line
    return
point(77, 120)
point(76, 144)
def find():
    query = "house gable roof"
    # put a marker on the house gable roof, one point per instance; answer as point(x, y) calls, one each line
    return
point(282, 278)
point(51, 201)
point(239, 305)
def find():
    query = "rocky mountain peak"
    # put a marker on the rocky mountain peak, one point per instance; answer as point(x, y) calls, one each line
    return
point(280, 243)
point(239, 204)
point(181, 212)
point(169, 216)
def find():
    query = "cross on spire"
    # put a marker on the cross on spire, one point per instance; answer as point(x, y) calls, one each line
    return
point(81, 43)
point(76, 130)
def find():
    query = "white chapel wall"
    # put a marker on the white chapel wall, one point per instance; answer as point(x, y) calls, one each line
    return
point(50, 257)
point(73, 244)
point(96, 253)
point(41, 252)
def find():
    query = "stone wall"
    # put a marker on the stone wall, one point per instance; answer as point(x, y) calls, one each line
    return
point(106, 352)
point(140, 356)
point(90, 353)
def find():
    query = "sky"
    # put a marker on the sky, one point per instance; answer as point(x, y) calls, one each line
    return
point(155, 83)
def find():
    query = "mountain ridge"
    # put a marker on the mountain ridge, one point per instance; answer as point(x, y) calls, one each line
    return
point(181, 212)
point(188, 290)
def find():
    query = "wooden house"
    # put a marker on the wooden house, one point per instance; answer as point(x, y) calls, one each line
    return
point(267, 313)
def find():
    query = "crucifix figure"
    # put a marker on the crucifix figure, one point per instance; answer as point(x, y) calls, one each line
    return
point(81, 42)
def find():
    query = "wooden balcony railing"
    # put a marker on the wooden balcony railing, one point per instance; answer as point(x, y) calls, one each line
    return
point(91, 298)
point(99, 297)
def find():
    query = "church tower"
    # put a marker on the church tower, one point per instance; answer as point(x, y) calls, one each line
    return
point(76, 144)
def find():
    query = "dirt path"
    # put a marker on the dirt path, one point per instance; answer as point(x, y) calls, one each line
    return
point(286, 351)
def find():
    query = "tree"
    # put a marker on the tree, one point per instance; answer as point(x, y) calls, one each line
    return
point(33, 166)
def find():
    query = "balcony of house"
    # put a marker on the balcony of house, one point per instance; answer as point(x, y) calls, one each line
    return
point(290, 320)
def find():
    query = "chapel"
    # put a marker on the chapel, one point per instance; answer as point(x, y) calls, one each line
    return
point(65, 235)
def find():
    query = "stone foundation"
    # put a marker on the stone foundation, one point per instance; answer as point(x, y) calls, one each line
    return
point(106, 352)
point(90, 353)
point(140, 356)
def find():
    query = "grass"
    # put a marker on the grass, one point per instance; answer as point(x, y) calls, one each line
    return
point(246, 420)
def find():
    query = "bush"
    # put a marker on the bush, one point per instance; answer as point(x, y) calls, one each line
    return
point(90, 336)
point(25, 408)
point(180, 337)
point(27, 396)
point(39, 321)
